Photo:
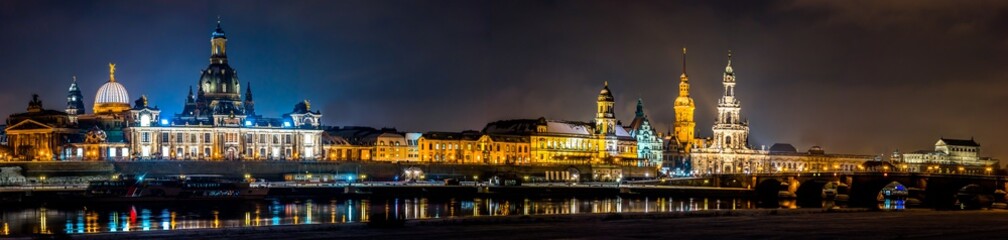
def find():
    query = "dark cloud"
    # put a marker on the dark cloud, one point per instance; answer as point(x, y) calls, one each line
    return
point(852, 76)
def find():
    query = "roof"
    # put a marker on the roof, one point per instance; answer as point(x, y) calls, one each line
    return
point(577, 128)
point(637, 123)
point(328, 139)
point(509, 138)
point(605, 95)
point(621, 132)
point(959, 142)
point(782, 148)
point(512, 126)
point(112, 92)
point(466, 135)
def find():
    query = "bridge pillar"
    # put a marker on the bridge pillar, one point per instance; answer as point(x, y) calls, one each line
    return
point(793, 184)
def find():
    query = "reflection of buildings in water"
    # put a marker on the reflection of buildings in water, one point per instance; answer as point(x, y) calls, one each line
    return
point(308, 212)
point(140, 218)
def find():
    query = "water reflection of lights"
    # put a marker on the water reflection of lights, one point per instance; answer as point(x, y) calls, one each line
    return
point(282, 212)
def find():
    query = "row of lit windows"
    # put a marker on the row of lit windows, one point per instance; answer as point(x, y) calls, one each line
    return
point(469, 146)
point(228, 137)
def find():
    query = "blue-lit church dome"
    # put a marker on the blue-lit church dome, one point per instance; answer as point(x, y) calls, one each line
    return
point(112, 96)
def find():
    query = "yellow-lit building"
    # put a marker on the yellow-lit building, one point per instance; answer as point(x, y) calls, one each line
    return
point(505, 149)
point(553, 142)
point(450, 147)
point(39, 134)
point(338, 148)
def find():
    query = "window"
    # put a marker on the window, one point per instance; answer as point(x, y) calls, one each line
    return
point(287, 139)
point(192, 138)
point(276, 139)
point(178, 137)
point(145, 120)
point(164, 137)
point(206, 137)
point(145, 137)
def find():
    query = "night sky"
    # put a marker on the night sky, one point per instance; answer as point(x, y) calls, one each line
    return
point(852, 76)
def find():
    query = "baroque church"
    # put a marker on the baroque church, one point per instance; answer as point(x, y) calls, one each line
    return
point(217, 123)
point(729, 151)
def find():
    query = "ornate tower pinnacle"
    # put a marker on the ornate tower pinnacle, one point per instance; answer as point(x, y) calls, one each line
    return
point(218, 45)
point(683, 76)
point(731, 131)
point(640, 108)
point(685, 126)
point(75, 100)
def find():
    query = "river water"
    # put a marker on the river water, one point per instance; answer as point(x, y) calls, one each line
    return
point(94, 218)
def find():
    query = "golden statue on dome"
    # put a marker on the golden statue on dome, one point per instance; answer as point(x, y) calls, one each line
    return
point(111, 72)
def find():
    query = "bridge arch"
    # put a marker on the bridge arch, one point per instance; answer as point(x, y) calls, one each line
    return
point(864, 192)
point(892, 196)
point(767, 191)
point(809, 193)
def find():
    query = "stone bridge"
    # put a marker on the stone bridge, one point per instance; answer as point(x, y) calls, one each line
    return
point(861, 189)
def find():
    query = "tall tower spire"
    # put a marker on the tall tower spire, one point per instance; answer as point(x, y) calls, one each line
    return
point(685, 126)
point(683, 76)
point(249, 103)
point(731, 132)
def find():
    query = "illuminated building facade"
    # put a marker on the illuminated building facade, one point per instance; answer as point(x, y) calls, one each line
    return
point(949, 156)
point(649, 144)
point(217, 124)
point(474, 147)
point(39, 134)
point(451, 147)
point(365, 143)
point(570, 142)
point(728, 152)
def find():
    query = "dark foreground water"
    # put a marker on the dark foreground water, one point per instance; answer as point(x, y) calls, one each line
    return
point(92, 218)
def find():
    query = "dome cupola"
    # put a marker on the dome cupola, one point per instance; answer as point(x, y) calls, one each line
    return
point(112, 96)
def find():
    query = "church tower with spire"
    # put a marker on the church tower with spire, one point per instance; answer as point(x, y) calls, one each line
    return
point(731, 131)
point(684, 107)
point(75, 101)
point(249, 103)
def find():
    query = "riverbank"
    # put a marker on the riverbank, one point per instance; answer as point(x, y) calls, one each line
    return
point(720, 224)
